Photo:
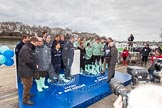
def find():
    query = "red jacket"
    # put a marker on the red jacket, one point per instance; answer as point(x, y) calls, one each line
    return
point(125, 53)
point(154, 57)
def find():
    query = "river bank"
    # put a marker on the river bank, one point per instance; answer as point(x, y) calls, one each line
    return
point(10, 37)
point(9, 41)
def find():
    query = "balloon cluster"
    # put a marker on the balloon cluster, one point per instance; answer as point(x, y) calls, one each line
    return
point(6, 55)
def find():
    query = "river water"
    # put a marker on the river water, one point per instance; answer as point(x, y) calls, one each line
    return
point(11, 43)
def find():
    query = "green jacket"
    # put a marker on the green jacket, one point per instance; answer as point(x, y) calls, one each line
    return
point(85, 43)
point(96, 49)
point(76, 44)
point(88, 53)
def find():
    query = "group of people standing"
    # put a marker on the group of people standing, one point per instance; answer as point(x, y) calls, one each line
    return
point(98, 51)
point(38, 57)
point(145, 53)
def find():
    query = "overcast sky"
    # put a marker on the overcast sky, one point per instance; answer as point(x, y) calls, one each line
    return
point(115, 18)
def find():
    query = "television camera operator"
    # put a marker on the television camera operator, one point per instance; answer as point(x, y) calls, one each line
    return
point(155, 71)
point(143, 96)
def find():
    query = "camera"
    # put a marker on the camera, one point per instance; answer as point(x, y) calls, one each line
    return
point(141, 75)
point(119, 89)
point(157, 71)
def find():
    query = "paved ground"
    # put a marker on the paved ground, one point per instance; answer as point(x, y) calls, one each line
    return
point(8, 91)
point(108, 101)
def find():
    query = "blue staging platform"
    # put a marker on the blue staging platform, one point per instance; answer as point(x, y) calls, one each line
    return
point(81, 92)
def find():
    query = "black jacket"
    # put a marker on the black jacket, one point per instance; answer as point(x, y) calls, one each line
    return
point(82, 53)
point(18, 47)
point(27, 65)
point(146, 51)
point(131, 38)
point(56, 56)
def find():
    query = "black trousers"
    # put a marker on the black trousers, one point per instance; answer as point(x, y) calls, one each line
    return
point(82, 63)
point(94, 58)
point(89, 61)
point(144, 58)
point(62, 64)
point(102, 59)
point(124, 58)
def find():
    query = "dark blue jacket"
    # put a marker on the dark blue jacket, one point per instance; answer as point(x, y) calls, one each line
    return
point(17, 50)
point(68, 50)
point(62, 43)
point(54, 44)
point(56, 56)
point(18, 47)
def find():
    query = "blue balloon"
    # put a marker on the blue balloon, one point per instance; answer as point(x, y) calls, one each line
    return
point(3, 49)
point(0, 53)
point(9, 62)
point(2, 59)
point(8, 53)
